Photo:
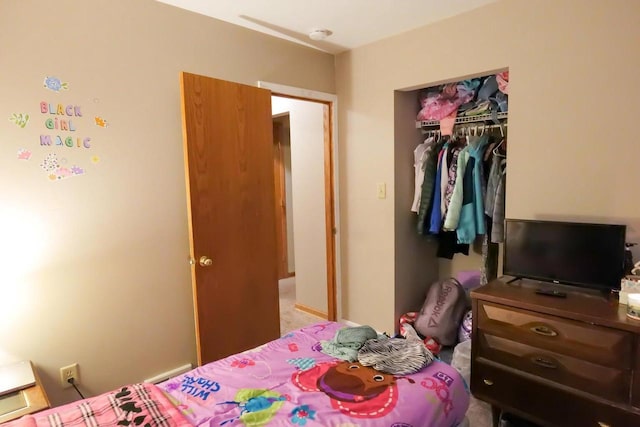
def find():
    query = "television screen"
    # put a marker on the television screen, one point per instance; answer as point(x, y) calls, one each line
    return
point(590, 255)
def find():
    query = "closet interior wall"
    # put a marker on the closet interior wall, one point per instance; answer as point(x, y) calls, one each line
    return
point(416, 265)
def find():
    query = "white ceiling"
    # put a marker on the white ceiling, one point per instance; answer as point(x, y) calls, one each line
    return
point(353, 22)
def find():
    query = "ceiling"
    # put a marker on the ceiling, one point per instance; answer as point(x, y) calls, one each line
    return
point(353, 23)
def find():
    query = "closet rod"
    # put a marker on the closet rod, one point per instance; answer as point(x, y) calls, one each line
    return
point(480, 127)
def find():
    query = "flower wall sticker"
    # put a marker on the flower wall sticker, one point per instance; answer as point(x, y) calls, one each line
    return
point(50, 162)
point(24, 154)
point(20, 119)
point(56, 172)
point(101, 122)
point(54, 84)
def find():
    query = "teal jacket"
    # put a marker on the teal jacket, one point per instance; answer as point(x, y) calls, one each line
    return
point(471, 222)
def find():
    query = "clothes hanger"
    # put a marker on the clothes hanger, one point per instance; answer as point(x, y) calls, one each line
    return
point(496, 151)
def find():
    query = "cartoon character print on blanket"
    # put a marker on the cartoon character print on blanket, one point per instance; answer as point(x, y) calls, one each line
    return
point(439, 384)
point(355, 390)
point(256, 406)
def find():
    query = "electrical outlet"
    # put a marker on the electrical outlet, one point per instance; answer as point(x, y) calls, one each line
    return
point(67, 373)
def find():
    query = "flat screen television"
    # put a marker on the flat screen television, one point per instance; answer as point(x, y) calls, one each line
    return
point(578, 254)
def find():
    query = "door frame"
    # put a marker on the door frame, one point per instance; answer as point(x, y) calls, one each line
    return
point(281, 199)
point(332, 208)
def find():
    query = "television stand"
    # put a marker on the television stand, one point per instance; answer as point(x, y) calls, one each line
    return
point(555, 361)
point(551, 293)
point(559, 290)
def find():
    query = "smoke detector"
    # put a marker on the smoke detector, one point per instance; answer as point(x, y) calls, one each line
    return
point(320, 34)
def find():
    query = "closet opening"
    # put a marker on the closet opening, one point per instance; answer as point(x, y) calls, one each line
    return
point(446, 226)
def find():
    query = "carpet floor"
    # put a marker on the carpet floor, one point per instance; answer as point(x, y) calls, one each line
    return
point(290, 317)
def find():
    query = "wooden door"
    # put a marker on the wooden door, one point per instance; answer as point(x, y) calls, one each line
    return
point(280, 201)
point(227, 133)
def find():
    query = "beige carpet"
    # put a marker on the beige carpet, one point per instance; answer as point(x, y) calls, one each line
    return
point(290, 318)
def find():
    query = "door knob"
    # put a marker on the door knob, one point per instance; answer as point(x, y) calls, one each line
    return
point(205, 261)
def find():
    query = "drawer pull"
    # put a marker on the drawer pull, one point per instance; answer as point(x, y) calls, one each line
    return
point(603, 424)
point(487, 382)
point(544, 330)
point(545, 363)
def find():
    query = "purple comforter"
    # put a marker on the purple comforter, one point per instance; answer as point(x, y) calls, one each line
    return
point(289, 382)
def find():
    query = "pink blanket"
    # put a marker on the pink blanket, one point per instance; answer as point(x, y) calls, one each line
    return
point(135, 405)
point(290, 382)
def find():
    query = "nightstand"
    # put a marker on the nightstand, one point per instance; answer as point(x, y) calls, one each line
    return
point(25, 401)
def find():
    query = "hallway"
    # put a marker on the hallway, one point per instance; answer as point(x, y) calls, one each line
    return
point(290, 317)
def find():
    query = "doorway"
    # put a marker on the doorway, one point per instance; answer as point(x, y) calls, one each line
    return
point(283, 195)
point(305, 209)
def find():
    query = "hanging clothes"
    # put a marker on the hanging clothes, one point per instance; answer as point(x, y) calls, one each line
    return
point(448, 245)
point(455, 204)
point(444, 178)
point(452, 175)
point(497, 232)
point(428, 187)
point(495, 197)
point(435, 222)
point(420, 155)
point(497, 163)
point(471, 222)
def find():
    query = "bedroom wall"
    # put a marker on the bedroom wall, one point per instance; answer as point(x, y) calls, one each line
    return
point(94, 267)
point(307, 187)
point(574, 103)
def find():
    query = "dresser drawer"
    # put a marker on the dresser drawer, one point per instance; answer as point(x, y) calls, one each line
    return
point(596, 344)
point(608, 383)
point(542, 403)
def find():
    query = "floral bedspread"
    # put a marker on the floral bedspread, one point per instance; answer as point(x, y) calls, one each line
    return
point(290, 382)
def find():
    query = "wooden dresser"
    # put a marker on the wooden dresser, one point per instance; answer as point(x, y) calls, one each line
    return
point(558, 362)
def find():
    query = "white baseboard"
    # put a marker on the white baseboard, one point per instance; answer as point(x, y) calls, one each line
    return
point(354, 324)
point(169, 374)
point(350, 323)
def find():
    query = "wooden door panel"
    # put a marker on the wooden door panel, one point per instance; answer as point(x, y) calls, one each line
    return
point(229, 164)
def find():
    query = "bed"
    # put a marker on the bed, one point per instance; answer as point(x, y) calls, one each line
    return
point(287, 382)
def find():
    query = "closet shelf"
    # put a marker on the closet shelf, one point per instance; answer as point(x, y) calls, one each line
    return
point(462, 119)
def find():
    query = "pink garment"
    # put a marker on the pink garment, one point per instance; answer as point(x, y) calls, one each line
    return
point(437, 106)
point(503, 82)
point(447, 123)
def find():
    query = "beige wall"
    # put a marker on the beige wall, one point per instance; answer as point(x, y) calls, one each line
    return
point(307, 183)
point(574, 103)
point(94, 267)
